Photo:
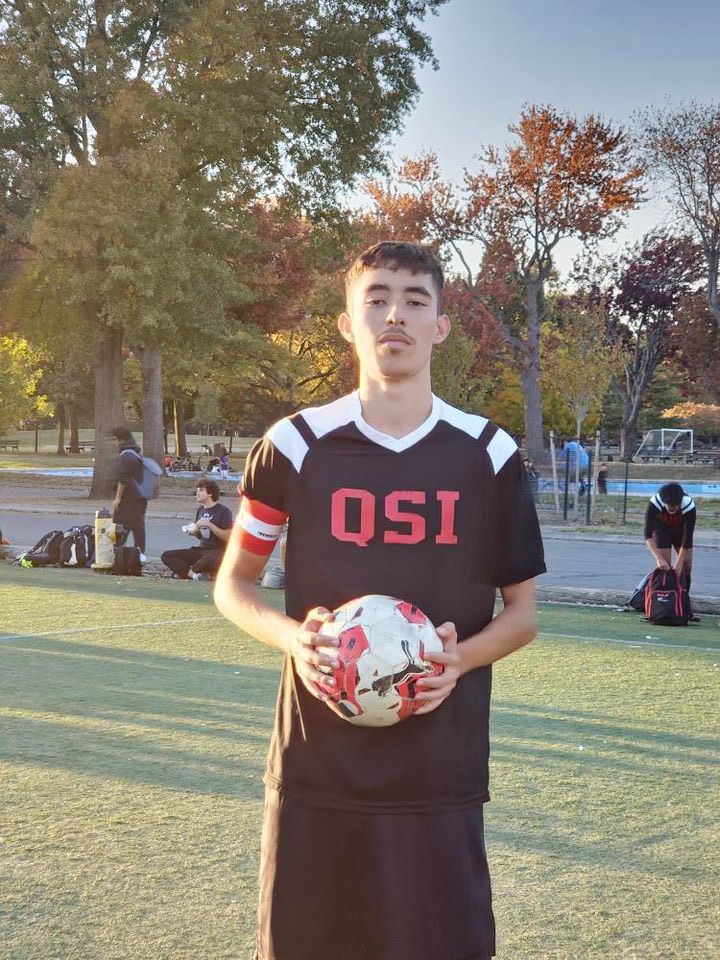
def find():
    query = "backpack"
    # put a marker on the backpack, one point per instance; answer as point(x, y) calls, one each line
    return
point(149, 486)
point(666, 599)
point(78, 547)
point(127, 562)
point(45, 553)
point(637, 600)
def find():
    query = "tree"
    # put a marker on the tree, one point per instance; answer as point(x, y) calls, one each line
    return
point(19, 378)
point(561, 178)
point(578, 358)
point(653, 278)
point(701, 417)
point(681, 146)
point(212, 100)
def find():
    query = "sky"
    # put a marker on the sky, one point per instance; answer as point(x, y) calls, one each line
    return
point(613, 57)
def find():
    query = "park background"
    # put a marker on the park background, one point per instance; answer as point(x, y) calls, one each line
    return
point(184, 184)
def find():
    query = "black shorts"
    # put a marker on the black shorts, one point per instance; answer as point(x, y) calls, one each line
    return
point(666, 537)
point(373, 886)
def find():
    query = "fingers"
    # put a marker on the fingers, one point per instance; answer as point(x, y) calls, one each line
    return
point(448, 634)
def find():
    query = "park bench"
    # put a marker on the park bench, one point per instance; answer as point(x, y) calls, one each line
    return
point(10, 445)
point(81, 448)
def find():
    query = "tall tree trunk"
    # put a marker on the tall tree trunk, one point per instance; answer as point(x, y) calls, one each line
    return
point(180, 442)
point(713, 297)
point(74, 429)
point(60, 414)
point(152, 404)
point(108, 408)
point(628, 430)
point(530, 375)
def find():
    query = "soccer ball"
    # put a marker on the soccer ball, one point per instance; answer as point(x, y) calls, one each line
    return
point(382, 642)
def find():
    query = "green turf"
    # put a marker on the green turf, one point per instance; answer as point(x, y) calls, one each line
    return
point(134, 730)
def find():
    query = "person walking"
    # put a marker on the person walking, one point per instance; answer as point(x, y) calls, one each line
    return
point(129, 506)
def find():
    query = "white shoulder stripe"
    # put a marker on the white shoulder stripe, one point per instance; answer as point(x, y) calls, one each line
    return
point(330, 416)
point(500, 449)
point(657, 502)
point(288, 440)
point(687, 504)
point(470, 423)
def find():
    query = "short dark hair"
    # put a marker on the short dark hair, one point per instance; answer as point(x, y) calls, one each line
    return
point(395, 255)
point(212, 488)
point(122, 434)
point(672, 494)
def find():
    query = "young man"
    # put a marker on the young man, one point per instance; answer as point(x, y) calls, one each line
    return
point(213, 525)
point(129, 506)
point(669, 522)
point(373, 842)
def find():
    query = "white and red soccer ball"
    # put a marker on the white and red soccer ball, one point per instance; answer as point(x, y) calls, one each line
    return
point(381, 652)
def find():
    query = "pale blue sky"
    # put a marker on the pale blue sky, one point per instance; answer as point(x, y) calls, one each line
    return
point(609, 57)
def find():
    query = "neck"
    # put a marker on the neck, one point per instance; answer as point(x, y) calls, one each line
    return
point(396, 407)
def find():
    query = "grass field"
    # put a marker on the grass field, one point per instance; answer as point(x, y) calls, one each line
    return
point(134, 729)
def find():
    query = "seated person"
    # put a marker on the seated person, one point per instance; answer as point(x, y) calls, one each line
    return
point(212, 527)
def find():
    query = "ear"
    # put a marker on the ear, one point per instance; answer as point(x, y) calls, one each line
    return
point(345, 327)
point(443, 328)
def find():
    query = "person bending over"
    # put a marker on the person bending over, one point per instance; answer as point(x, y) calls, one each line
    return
point(373, 842)
point(212, 527)
point(669, 523)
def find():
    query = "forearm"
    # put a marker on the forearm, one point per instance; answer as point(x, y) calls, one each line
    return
point(241, 602)
point(119, 491)
point(514, 627)
point(219, 532)
point(652, 547)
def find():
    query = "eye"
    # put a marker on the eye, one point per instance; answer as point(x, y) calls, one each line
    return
point(376, 303)
point(417, 303)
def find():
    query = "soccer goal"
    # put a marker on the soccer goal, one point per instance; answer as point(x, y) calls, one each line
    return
point(663, 442)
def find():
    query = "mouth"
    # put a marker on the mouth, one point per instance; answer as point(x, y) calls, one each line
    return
point(395, 338)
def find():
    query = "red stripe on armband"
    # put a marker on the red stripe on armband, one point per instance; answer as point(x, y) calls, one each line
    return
point(260, 526)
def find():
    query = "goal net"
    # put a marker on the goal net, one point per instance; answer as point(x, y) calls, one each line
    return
point(663, 442)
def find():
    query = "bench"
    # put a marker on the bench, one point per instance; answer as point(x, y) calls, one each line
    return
point(10, 445)
point(80, 448)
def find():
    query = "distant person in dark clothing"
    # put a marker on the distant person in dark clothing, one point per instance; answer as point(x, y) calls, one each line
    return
point(602, 479)
point(129, 506)
point(670, 522)
point(212, 527)
point(533, 475)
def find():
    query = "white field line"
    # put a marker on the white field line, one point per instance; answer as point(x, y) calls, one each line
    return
point(630, 643)
point(166, 623)
point(109, 626)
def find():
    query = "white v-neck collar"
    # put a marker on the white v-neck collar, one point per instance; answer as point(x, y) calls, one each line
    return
point(396, 444)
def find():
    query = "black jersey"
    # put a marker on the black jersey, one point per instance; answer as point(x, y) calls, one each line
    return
point(440, 518)
point(679, 525)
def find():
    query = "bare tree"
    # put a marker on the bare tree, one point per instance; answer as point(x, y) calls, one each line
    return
point(682, 147)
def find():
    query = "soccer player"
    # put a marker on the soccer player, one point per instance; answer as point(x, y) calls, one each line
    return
point(669, 522)
point(372, 844)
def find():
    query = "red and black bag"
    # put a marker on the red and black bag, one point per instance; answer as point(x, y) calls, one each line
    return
point(666, 599)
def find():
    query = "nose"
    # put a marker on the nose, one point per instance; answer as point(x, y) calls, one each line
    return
point(395, 317)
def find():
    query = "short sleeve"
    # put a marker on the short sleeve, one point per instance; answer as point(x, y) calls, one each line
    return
point(225, 520)
point(265, 495)
point(266, 475)
point(517, 551)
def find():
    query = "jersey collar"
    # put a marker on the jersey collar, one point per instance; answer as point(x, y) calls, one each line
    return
point(396, 444)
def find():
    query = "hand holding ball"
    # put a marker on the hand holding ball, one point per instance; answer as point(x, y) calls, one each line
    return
point(381, 646)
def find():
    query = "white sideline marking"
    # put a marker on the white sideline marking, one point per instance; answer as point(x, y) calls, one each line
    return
point(633, 643)
point(109, 626)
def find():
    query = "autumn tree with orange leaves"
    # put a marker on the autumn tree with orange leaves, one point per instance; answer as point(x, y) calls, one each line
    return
point(560, 178)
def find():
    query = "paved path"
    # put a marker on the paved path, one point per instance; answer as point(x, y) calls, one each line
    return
point(571, 562)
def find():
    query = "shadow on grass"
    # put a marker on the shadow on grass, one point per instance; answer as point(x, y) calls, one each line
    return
point(545, 722)
point(184, 724)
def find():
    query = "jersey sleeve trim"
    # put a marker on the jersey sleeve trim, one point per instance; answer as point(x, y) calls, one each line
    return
point(688, 504)
point(286, 438)
point(500, 449)
point(260, 526)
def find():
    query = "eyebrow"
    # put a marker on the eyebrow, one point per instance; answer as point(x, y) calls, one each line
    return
point(383, 287)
